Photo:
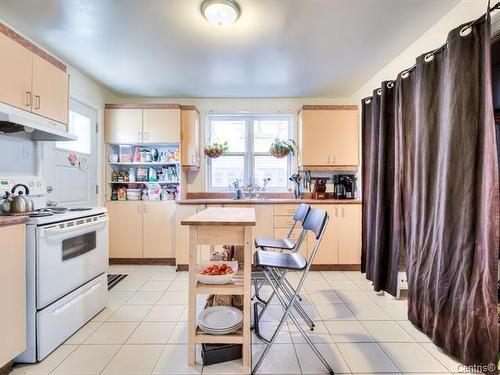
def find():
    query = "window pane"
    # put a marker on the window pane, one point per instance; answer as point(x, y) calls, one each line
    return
point(232, 131)
point(269, 166)
point(79, 125)
point(266, 131)
point(226, 169)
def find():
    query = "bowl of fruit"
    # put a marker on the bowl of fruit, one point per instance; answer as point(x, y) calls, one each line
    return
point(216, 272)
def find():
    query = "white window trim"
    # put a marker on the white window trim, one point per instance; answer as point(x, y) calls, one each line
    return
point(249, 154)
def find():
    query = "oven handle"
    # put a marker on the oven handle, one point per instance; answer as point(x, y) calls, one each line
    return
point(76, 298)
point(47, 232)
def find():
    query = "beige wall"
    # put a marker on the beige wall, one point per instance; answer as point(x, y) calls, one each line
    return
point(197, 180)
point(463, 12)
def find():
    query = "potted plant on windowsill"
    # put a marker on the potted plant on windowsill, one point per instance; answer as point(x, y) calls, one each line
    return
point(280, 148)
point(216, 149)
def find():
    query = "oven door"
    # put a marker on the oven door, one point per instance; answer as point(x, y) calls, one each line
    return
point(68, 255)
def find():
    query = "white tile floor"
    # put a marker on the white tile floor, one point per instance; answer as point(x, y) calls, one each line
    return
point(144, 331)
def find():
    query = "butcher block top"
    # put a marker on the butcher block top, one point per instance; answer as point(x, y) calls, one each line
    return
point(12, 220)
point(233, 216)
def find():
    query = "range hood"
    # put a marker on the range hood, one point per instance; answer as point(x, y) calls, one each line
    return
point(13, 120)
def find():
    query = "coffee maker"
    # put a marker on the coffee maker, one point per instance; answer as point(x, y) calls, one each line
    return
point(344, 186)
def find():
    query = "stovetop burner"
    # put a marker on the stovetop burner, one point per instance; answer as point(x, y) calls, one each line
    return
point(53, 210)
point(80, 209)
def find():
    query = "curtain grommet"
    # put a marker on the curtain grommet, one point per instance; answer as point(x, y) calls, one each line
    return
point(379, 92)
point(390, 85)
point(368, 100)
point(466, 30)
point(405, 74)
point(429, 57)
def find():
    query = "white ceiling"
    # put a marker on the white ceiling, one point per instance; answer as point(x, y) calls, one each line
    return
point(277, 48)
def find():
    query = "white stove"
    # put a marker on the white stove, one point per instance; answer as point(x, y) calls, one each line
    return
point(66, 264)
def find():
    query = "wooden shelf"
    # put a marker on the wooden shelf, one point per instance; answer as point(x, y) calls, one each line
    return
point(143, 163)
point(232, 338)
point(144, 182)
point(235, 287)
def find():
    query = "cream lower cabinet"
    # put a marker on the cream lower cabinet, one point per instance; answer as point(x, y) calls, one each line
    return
point(12, 292)
point(341, 243)
point(141, 229)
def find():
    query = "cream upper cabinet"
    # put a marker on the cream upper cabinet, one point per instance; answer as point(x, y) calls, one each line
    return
point(349, 239)
point(158, 228)
point(162, 125)
point(15, 74)
point(329, 137)
point(345, 142)
point(12, 292)
point(50, 90)
point(125, 229)
point(123, 125)
point(316, 139)
point(190, 138)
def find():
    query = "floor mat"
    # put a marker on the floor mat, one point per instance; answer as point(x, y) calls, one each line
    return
point(114, 279)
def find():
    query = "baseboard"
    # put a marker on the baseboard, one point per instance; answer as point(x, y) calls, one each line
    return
point(143, 261)
point(314, 267)
point(7, 368)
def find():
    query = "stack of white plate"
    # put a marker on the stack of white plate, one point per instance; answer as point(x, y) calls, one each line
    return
point(220, 320)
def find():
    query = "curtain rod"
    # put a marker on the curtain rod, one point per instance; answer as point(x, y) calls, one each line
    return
point(405, 73)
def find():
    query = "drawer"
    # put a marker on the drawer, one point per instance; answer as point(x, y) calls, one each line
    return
point(283, 232)
point(285, 209)
point(283, 221)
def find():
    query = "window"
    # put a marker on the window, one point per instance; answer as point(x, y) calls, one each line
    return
point(80, 126)
point(248, 159)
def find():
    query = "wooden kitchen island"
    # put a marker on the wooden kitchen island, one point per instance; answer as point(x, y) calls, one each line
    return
point(221, 226)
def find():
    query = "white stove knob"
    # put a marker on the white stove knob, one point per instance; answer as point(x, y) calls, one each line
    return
point(38, 183)
point(31, 184)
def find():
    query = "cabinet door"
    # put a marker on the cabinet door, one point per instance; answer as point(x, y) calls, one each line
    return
point(182, 232)
point(349, 234)
point(158, 223)
point(328, 248)
point(125, 229)
point(190, 138)
point(15, 73)
point(12, 292)
point(345, 142)
point(263, 222)
point(50, 90)
point(123, 125)
point(162, 125)
point(316, 135)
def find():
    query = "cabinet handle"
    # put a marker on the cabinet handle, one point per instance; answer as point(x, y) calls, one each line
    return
point(139, 208)
point(334, 159)
point(328, 162)
point(145, 208)
point(28, 99)
point(146, 136)
point(342, 211)
point(336, 212)
point(37, 101)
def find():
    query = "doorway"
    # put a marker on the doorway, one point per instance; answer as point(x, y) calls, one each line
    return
point(70, 168)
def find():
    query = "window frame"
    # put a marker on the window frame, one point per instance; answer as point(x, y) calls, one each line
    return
point(249, 154)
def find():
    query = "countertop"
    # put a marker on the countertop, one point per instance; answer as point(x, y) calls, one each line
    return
point(222, 217)
point(267, 201)
point(12, 220)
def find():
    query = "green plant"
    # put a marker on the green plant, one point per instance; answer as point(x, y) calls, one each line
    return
point(282, 147)
point(216, 149)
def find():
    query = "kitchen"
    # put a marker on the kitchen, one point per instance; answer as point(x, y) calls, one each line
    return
point(128, 193)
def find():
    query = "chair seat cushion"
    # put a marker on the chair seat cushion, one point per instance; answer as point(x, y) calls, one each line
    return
point(294, 261)
point(273, 243)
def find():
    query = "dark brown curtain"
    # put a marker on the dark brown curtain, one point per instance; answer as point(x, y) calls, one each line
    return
point(450, 195)
point(381, 216)
point(446, 184)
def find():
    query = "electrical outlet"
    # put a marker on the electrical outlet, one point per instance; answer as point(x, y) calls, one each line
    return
point(27, 152)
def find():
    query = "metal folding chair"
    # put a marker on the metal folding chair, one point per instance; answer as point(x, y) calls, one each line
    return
point(286, 244)
point(274, 266)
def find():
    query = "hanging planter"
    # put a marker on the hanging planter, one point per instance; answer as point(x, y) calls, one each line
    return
point(281, 148)
point(216, 149)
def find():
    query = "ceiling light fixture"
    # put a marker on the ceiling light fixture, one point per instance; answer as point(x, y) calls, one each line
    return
point(220, 12)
